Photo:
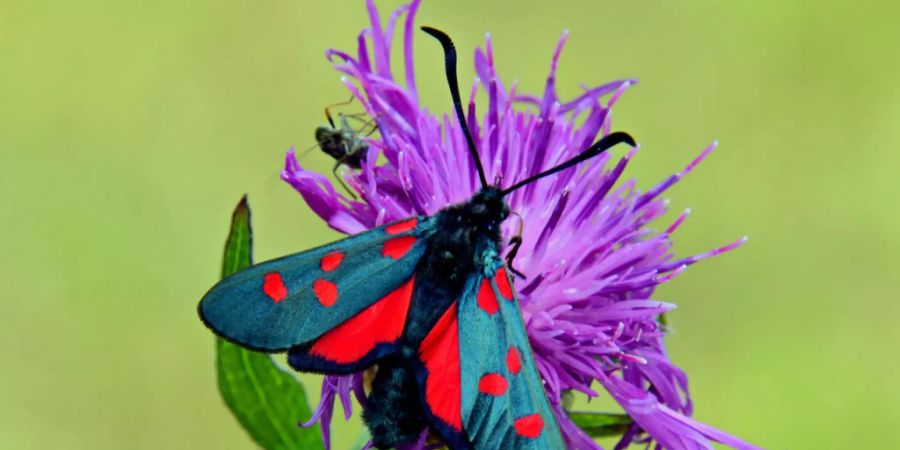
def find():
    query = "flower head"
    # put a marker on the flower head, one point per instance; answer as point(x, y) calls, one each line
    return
point(591, 260)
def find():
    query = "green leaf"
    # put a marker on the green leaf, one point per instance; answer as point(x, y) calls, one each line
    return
point(266, 400)
point(239, 245)
point(662, 320)
point(601, 424)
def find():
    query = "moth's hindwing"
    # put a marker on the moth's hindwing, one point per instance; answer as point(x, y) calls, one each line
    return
point(438, 374)
point(479, 383)
point(504, 404)
point(360, 341)
point(296, 299)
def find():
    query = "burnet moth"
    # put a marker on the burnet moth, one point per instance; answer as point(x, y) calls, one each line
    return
point(428, 299)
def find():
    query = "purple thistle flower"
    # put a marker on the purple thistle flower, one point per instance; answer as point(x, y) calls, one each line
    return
point(591, 260)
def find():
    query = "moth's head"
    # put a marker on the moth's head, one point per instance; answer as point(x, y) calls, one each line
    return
point(488, 206)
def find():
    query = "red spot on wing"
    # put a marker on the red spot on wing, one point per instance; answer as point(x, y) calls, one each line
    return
point(273, 286)
point(513, 362)
point(439, 352)
point(326, 292)
point(401, 227)
point(502, 281)
point(331, 261)
point(493, 384)
point(380, 323)
point(486, 298)
point(529, 426)
point(397, 247)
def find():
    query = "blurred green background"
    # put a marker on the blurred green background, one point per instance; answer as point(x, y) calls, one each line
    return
point(129, 130)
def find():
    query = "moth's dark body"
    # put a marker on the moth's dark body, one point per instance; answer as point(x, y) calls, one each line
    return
point(451, 257)
point(394, 411)
point(343, 144)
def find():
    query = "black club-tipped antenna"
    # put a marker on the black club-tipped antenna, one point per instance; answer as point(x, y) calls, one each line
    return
point(450, 67)
point(602, 145)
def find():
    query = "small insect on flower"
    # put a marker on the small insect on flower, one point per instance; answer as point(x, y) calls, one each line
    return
point(428, 299)
point(347, 145)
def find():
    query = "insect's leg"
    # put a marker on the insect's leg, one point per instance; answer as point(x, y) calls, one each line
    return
point(359, 117)
point(340, 179)
point(328, 110)
point(305, 152)
point(374, 128)
point(514, 244)
point(365, 123)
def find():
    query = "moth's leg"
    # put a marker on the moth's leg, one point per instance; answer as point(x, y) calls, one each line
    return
point(514, 244)
point(393, 411)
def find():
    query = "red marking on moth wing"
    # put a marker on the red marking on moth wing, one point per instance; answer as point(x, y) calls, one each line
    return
point(439, 352)
point(402, 227)
point(513, 362)
point(380, 323)
point(486, 298)
point(529, 426)
point(502, 281)
point(493, 384)
point(273, 286)
point(326, 292)
point(331, 261)
point(397, 247)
